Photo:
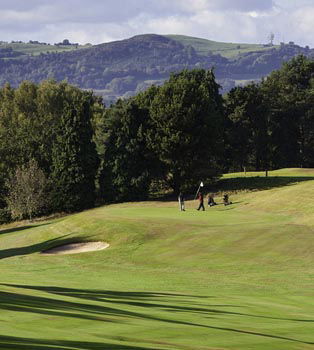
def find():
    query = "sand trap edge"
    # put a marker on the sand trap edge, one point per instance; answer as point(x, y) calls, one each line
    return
point(76, 248)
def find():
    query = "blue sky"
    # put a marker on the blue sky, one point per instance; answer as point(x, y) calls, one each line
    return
point(98, 21)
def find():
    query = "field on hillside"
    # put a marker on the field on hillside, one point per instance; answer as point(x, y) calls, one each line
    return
point(235, 277)
point(228, 50)
point(37, 49)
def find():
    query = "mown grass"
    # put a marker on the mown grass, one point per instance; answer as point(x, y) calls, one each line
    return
point(228, 50)
point(235, 277)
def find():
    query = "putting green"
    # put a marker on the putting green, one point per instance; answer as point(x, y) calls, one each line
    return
point(235, 277)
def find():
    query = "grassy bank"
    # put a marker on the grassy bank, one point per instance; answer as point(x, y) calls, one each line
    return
point(235, 277)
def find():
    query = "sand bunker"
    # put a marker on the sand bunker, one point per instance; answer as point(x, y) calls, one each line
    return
point(75, 248)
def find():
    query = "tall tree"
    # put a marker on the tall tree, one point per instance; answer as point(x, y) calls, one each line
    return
point(74, 156)
point(186, 127)
point(8, 126)
point(247, 133)
point(127, 163)
point(51, 99)
point(290, 98)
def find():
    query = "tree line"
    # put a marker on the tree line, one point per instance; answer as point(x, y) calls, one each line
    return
point(61, 149)
point(270, 125)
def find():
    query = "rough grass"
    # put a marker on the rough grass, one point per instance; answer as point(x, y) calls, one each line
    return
point(235, 277)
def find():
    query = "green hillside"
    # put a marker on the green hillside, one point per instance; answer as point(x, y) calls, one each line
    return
point(228, 50)
point(236, 277)
point(124, 68)
point(202, 47)
point(27, 49)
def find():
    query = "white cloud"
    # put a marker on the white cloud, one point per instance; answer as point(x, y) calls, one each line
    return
point(99, 21)
point(301, 23)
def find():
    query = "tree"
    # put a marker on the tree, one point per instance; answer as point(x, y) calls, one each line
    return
point(74, 156)
point(289, 92)
point(186, 128)
point(247, 131)
point(8, 131)
point(127, 171)
point(29, 116)
point(26, 191)
point(34, 121)
point(50, 101)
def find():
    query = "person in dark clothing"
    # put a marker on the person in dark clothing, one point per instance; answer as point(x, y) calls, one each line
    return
point(201, 200)
point(226, 199)
point(181, 201)
point(211, 201)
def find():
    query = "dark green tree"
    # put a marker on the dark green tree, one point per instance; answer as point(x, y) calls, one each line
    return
point(289, 93)
point(51, 99)
point(74, 156)
point(126, 173)
point(8, 131)
point(186, 128)
point(247, 132)
point(8, 140)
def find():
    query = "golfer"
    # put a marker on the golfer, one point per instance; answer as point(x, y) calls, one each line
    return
point(181, 202)
point(201, 200)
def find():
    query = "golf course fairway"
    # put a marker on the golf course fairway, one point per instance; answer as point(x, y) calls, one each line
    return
point(235, 277)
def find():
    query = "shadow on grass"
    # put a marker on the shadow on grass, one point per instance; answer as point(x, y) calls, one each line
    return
point(111, 311)
point(107, 306)
point(17, 343)
point(250, 183)
point(257, 183)
point(34, 248)
point(22, 228)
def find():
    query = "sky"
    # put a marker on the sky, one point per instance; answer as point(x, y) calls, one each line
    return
point(99, 21)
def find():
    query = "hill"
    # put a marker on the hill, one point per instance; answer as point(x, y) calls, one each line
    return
point(228, 50)
point(20, 49)
point(125, 67)
point(236, 277)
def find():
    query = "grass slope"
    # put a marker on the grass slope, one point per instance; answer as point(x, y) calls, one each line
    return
point(236, 277)
point(37, 49)
point(202, 46)
point(228, 50)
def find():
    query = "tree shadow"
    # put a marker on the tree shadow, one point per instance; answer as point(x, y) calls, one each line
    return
point(7, 342)
point(21, 228)
point(79, 309)
point(257, 183)
point(110, 294)
point(250, 183)
point(34, 248)
point(107, 307)
point(140, 299)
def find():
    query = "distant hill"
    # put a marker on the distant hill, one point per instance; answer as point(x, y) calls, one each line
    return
point(123, 68)
point(19, 49)
point(228, 50)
